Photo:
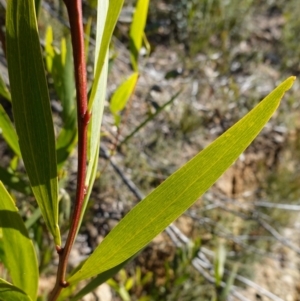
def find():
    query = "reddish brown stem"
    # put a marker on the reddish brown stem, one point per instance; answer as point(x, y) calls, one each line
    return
point(75, 16)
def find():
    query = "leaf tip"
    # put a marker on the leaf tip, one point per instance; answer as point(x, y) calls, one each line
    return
point(291, 81)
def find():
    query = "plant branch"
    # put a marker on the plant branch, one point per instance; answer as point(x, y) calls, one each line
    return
point(74, 8)
point(151, 117)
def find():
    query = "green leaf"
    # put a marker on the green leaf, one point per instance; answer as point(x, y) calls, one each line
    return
point(31, 108)
point(219, 264)
point(229, 283)
point(66, 141)
point(8, 132)
point(49, 49)
point(99, 279)
point(33, 218)
point(37, 6)
point(9, 292)
point(87, 35)
point(179, 191)
point(137, 31)
point(19, 254)
point(122, 94)
point(100, 87)
point(60, 66)
point(148, 119)
point(14, 181)
point(98, 102)
point(3, 90)
point(92, 169)
point(110, 15)
point(63, 74)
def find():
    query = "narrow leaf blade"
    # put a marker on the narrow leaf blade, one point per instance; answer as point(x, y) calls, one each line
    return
point(8, 132)
point(13, 180)
point(31, 108)
point(65, 74)
point(3, 90)
point(148, 119)
point(66, 140)
point(180, 190)
point(19, 254)
point(122, 94)
point(9, 292)
point(99, 279)
point(87, 35)
point(62, 71)
point(137, 31)
point(49, 49)
point(97, 103)
point(97, 100)
point(111, 17)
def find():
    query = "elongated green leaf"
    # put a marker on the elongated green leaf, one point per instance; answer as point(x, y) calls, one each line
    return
point(97, 106)
point(148, 119)
point(179, 191)
point(9, 292)
point(92, 176)
point(14, 181)
point(99, 279)
point(122, 95)
point(137, 31)
point(37, 6)
point(3, 90)
point(229, 283)
point(87, 35)
point(110, 15)
point(60, 66)
point(63, 74)
point(33, 218)
point(8, 132)
point(100, 92)
point(31, 108)
point(66, 140)
point(19, 255)
point(49, 49)
point(219, 264)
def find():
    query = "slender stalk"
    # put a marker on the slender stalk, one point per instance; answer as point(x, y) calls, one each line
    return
point(74, 8)
point(151, 117)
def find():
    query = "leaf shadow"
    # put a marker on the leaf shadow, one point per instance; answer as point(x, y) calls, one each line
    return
point(10, 219)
